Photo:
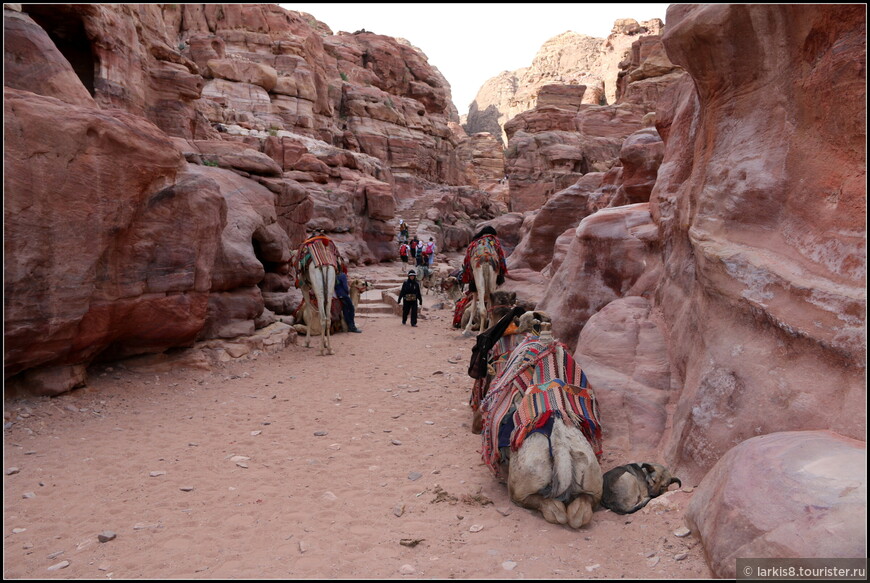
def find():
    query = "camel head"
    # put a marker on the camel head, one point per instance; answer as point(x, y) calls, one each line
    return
point(532, 322)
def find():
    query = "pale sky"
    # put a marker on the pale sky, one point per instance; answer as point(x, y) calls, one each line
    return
point(471, 43)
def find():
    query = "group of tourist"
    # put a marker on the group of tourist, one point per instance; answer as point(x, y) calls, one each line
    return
point(416, 251)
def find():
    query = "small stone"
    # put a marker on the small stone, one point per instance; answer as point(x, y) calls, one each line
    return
point(186, 488)
point(335, 446)
point(653, 561)
point(18, 530)
point(396, 442)
point(321, 433)
point(414, 476)
point(59, 566)
point(591, 568)
point(239, 458)
point(682, 532)
point(12, 470)
point(258, 432)
point(650, 554)
point(476, 528)
point(303, 546)
point(28, 495)
point(680, 556)
point(329, 496)
point(157, 473)
point(399, 510)
point(429, 422)
point(413, 390)
point(509, 565)
point(106, 536)
point(54, 555)
point(407, 570)
point(504, 510)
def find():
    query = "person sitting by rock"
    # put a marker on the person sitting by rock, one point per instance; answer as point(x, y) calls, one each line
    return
point(342, 291)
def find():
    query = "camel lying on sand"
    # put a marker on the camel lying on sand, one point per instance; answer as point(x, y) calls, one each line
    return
point(539, 419)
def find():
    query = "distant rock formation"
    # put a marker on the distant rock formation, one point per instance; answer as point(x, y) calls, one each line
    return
point(566, 59)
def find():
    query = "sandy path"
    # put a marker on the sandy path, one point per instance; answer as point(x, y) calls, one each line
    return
point(359, 465)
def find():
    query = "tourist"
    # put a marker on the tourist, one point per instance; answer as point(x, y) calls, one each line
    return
point(410, 295)
point(429, 252)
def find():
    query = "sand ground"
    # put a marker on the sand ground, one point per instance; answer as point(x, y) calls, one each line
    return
point(292, 465)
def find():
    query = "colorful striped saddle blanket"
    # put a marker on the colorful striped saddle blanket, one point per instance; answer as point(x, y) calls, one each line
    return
point(538, 383)
point(322, 251)
point(486, 249)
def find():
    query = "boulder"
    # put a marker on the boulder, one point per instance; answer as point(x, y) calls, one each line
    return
point(791, 494)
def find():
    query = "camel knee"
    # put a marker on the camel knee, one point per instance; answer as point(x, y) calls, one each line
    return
point(580, 511)
point(554, 511)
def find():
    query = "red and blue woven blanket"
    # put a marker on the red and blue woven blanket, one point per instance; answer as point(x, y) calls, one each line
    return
point(539, 381)
point(322, 251)
point(482, 249)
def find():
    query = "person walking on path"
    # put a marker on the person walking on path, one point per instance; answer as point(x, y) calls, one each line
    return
point(404, 249)
point(342, 291)
point(403, 231)
point(429, 252)
point(410, 295)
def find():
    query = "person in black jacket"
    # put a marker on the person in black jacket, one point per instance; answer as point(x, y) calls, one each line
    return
point(410, 295)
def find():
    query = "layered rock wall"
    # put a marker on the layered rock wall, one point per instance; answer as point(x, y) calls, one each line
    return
point(567, 59)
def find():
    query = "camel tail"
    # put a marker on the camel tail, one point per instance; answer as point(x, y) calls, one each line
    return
point(562, 480)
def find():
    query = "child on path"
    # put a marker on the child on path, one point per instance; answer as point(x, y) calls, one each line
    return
point(409, 296)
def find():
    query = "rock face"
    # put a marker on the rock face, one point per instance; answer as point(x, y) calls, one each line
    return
point(164, 161)
point(623, 347)
point(100, 255)
point(567, 59)
point(751, 252)
point(794, 494)
point(764, 287)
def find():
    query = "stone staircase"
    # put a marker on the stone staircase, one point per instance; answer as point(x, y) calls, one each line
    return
point(382, 299)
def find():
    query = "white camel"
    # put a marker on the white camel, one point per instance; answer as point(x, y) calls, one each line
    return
point(557, 474)
point(321, 278)
point(308, 316)
point(485, 266)
point(317, 281)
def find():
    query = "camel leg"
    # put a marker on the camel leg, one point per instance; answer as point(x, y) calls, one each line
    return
point(329, 276)
point(530, 471)
point(580, 511)
point(478, 302)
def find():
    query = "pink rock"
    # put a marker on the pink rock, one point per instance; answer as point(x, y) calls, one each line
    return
point(624, 352)
point(764, 284)
point(614, 254)
point(792, 494)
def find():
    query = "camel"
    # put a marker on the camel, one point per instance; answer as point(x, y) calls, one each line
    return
point(307, 315)
point(550, 463)
point(485, 258)
point(316, 262)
